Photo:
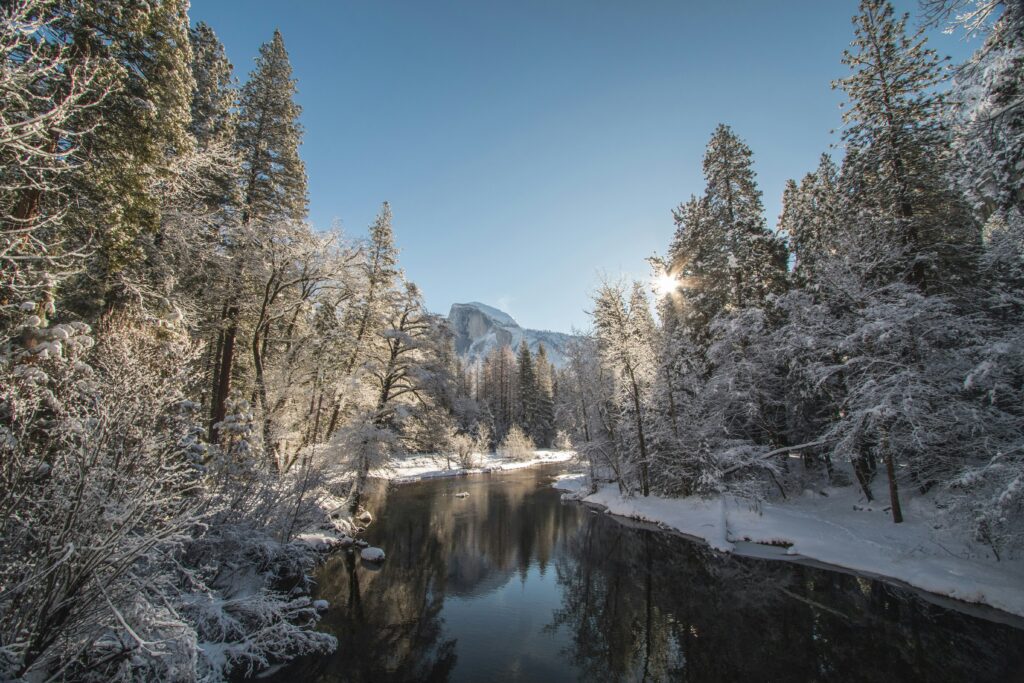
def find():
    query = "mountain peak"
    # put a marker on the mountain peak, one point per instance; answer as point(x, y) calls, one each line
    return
point(490, 311)
point(479, 329)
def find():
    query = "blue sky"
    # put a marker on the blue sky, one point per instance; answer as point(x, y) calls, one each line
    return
point(529, 147)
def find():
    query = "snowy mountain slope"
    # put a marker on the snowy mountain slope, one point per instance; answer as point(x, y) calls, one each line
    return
point(480, 328)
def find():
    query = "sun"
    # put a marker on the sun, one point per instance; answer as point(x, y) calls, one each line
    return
point(665, 283)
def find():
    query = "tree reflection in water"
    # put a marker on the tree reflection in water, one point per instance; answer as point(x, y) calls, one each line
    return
point(622, 603)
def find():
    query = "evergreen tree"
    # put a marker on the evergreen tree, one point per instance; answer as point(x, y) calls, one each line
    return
point(44, 97)
point(544, 420)
point(755, 258)
point(273, 184)
point(213, 122)
point(214, 94)
point(697, 259)
point(497, 390)
point(988, 117)
point(526, 412)
point(897, 153)
point(136, 131)
point(810, 218)
point(268, 138)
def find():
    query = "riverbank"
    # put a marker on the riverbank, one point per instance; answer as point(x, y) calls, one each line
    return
point(833, 527)
point(420, 467)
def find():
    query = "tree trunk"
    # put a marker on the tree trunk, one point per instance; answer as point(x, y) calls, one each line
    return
point(645, 487)
point(890, 470)
point(224, 367)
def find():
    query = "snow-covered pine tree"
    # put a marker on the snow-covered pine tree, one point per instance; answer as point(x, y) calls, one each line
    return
point(698, 260)
point(755, 259)
point(44, 96)
point(498, 390)
point(213, 120)
point(811, 214)
point(897, 151)
point(268, 138)
point(140, 126)
point(987, 112)
point(273, 189)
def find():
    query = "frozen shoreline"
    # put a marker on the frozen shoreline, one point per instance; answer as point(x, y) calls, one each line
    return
point(835, 529)
point(420, 467)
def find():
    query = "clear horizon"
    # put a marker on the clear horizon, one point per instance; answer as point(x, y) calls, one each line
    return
point(527, 148)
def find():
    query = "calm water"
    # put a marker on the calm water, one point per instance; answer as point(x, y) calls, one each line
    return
point(511, 584)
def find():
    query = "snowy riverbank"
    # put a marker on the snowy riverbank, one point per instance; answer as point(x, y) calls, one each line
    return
point(420, 467)
point(836, 529)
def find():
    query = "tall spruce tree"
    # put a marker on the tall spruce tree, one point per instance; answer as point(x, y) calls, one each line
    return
point(544, 418)
point(213, 121)
point(527, 389)
point(810, 218)
point(755, 258)
point(698, 260)
point(897, 151)
point(214, 95)
point(267, 137)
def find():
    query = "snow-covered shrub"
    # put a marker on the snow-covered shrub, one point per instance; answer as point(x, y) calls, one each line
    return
point(101, 475)
point(562, 440)
point(483, 441)
point(516, 445)
point(464, 448)
point(132, 550)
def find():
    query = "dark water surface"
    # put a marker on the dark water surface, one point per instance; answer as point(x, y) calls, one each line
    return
point(511, 584)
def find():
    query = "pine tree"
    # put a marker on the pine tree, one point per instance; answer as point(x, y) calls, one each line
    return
point(811, 216)
point(697, 259)
point(897, 154)
point(136, 131)
point(213, 122)
point(268, 138)
point(214, 95)
point(526, 389)
point(544, 423)
point(497, 390)
point(988, 117)
point(45, 93)
point(755, 258)
point(273, 181)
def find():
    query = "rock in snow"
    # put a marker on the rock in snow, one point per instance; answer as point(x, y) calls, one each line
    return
point(372, 554)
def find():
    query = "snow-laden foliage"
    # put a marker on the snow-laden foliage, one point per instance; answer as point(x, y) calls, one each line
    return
point(516, 445)
point(888, 357)
point(132, 550)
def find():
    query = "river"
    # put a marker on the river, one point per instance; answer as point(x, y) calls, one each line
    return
point(511, 584)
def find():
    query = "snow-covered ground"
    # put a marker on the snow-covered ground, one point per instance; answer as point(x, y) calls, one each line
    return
point(833, 527)
point(419, 467)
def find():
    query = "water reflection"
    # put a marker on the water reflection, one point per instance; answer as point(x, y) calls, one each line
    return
point(511, 584)
point(642, 605)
